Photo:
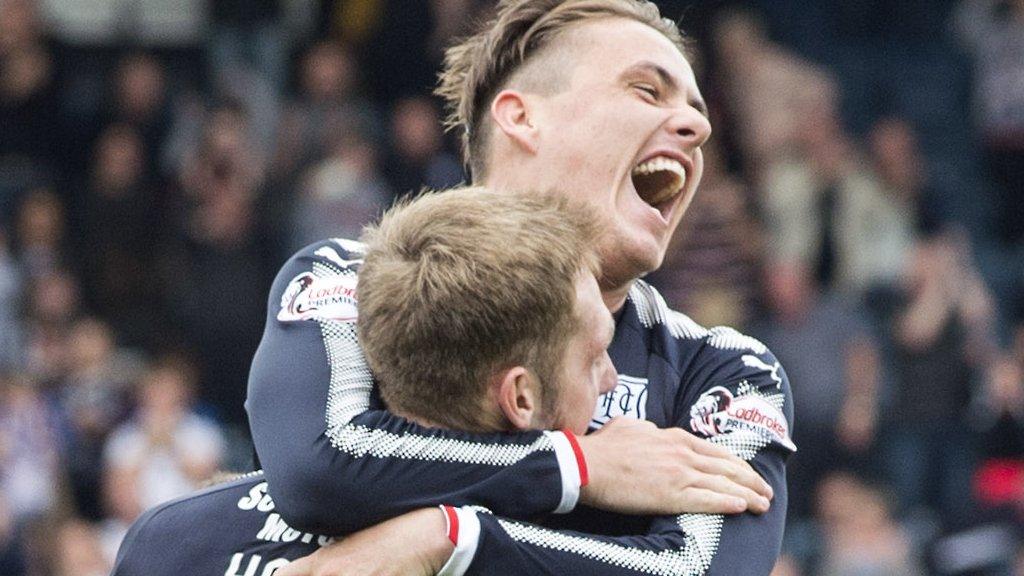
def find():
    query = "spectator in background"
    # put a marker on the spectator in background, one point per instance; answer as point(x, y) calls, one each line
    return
point(135, 94)
point(53, 303)
point(833, 363)
point(826, 209)
point(141, 100)
point(30, 473)
point(327, 100)
point(78, 551)
point(999, 481)
point(166, 450)
point(39, 232)
point(768, 89)
point(859, 535)
point(214, 268)
point(993, 31)
point(28, 96)
point(711, 266)
point(341, 194)
point(418, 158)
point(94, 400)
point(940, 334)
point(117, 234)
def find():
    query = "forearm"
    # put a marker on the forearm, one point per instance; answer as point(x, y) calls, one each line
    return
point(378, 466)
point(493, 545)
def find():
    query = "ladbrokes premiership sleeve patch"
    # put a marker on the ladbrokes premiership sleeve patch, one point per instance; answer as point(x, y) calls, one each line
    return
point(720, 411)
point(309, 297)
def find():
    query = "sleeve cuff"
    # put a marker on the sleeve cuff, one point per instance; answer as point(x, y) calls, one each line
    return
point(571, 465)
point(463, 529)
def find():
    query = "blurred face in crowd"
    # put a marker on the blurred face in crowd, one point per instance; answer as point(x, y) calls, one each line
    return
point(140, 86)
point(119, 160)
point(896, 155)
point(414, 128)
point(41, 219)
point(624, 134)
point(19, 24)
point(91, 343)
point(327, 72)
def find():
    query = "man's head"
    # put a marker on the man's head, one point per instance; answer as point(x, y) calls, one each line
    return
point(594, 97)
point(480, 311)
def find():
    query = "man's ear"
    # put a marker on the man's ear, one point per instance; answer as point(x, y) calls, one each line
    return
point(517, 395)
point(511, 112)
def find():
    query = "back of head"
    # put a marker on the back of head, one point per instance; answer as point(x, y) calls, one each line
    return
point(480, 66)
point(459, 285)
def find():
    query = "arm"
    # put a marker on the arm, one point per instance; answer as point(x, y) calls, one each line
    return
point(686, 544)
point(485, 544)
point(336, 462)
point(744, 405)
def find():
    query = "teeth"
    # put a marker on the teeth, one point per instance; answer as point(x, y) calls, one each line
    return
point(660, 164)
point(659, 179)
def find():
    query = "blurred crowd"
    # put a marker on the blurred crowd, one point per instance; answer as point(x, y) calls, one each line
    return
point(862, 213)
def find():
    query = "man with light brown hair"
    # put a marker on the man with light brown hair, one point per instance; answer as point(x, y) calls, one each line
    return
point(442, 274)
point(455, 342)
point(594, 99)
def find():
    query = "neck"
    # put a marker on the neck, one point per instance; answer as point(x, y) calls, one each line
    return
point(486, 423)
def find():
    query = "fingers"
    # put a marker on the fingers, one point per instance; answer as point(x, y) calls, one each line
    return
point(737, 472)
point(703, 501)
point(752, 501)
point(717, 460)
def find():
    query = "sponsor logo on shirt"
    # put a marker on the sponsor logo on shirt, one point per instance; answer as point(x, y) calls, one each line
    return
point(310, 297)
point(628, 398)
point(718, 411)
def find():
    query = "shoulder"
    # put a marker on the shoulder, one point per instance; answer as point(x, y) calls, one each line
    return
point(728, 380)
point(319, 282)
point(683, 340)
point(190, 521)
point(211, 501)
point(335, 254)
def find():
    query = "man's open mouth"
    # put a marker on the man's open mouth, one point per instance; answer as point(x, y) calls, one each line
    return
point(659, 180)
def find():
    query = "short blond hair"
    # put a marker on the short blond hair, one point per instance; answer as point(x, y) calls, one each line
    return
point(477, 68)
point(459, 285)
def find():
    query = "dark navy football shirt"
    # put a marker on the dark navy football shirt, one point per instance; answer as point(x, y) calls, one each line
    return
point(227, 530)
point(336, 461)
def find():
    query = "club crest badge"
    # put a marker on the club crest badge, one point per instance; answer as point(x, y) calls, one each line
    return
point(628, 398)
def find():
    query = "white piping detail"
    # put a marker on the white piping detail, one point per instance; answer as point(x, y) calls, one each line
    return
point(569, 469)
point(469, 538)
point(689, 560)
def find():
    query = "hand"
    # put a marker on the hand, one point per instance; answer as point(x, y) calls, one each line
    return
point(412, 544)
point(638, 468)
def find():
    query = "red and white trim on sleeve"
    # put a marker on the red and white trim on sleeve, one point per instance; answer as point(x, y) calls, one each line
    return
point(463, 529)
point(572, 466)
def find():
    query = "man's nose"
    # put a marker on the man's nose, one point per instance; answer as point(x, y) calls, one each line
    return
point(690, 126)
